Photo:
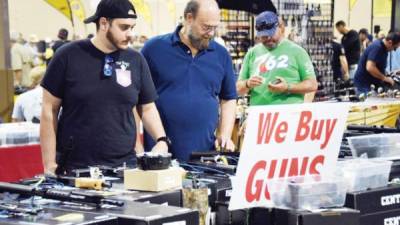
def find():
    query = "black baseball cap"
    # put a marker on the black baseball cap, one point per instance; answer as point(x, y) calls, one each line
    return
point(113, 9)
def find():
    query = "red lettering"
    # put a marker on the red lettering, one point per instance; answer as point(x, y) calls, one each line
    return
point(329, 130)
point(303, 128)
point(281, 132)
point(316, 134)
point(283, 168)
point(250, 195)
point(304, 166)
point(254, 187)
point(294, 168)
point(315, 162)
point(272, 169)
point(265, 128)
point(266, 192)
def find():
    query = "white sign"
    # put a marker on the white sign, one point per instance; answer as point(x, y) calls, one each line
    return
point(285, 141)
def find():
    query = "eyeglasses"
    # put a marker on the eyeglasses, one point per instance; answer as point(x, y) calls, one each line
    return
point(266, 26)
point(107, 70)
point(208, 28)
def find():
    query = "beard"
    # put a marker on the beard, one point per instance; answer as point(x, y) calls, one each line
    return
point(199, 43)
point(115, 43)
point(270, 45)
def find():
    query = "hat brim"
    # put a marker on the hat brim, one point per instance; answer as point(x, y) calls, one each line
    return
point(91, 19)
point(94, 18)
point(268, 33)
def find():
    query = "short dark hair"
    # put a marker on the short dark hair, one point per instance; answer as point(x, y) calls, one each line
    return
point(192, 7)
point(63, 34)
point(363, 31)
point(394, 37)
point(340, 23)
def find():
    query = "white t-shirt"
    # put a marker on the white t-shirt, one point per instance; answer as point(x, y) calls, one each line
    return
point(28, 105)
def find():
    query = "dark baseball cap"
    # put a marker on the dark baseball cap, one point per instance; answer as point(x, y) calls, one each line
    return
point(266, 24)
point(113, 9)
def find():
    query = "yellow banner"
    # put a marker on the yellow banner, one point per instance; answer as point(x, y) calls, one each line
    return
point(143, 10)
point(61, 6)
point(382, 8)
point(66, 6)
point(77, 9)
point(352, 3)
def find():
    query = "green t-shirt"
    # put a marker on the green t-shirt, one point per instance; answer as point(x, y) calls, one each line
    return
point(288, 60)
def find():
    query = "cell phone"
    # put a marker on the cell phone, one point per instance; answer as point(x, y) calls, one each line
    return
point(277, 81)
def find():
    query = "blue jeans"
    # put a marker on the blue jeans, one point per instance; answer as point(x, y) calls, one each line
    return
point(352, 71)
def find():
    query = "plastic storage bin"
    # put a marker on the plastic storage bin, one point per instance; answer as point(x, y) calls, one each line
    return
point(375, 145)
point(12, 134)
point(361, 174)
point(308, 193)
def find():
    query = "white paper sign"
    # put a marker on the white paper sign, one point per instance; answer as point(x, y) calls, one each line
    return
point(285, 141)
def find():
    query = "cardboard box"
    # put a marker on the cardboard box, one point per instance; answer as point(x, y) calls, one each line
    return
point(382, 218)
point(340, 216)
point(153, 180)
point(374, 200)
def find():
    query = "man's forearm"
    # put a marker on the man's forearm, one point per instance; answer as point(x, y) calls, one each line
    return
point(304, 87)
point(374, 71)
point(48, 129)
point(151, 120)
point(309, 97)
point(228, 116)
point(345, 66)
point(241, 87)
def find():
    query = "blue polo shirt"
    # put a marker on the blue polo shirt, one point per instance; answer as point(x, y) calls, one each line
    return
point(189, 90)
point(377, 53)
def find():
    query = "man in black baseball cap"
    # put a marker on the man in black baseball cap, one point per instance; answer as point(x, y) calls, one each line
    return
point(115, 19)
point(98, 82)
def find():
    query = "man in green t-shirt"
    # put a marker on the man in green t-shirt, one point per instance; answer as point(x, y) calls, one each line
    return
point(275, 71)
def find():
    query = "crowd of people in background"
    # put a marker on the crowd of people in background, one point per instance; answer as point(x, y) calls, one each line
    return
point(367, 61)
point(30, 56)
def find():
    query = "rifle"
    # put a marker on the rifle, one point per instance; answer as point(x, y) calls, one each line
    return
point(58, 194)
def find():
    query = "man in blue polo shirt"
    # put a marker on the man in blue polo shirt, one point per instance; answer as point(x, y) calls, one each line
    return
point(371, 68)
point(194, 77)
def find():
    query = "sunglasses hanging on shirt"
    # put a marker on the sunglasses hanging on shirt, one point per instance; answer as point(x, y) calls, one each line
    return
point(108, 68)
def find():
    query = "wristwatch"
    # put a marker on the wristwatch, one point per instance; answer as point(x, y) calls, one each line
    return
point(165, 139)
